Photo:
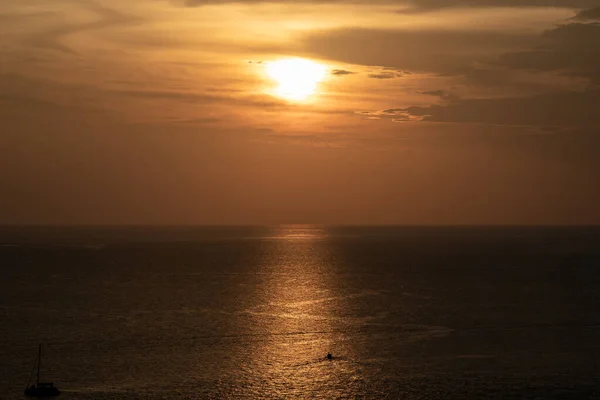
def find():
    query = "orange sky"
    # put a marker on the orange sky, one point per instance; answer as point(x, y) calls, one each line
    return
point(426, 112)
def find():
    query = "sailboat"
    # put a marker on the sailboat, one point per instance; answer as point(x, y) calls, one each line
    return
point(41, 389)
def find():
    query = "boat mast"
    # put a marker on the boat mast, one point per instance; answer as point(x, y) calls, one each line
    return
point(39, 363)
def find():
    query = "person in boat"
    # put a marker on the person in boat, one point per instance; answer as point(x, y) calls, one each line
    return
point(329, 356)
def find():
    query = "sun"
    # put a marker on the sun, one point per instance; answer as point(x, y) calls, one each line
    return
point(297, 78)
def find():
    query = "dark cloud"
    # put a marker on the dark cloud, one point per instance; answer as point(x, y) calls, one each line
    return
point(385, 75)
point(429, 5)
point(490, 59)
point(437, 93)
point(419, 5)
point(575, 109)
point(587, 15)
point(438, 51)
point(576, 34)
point(341, 72)
point(572, 49)
point(442, 94)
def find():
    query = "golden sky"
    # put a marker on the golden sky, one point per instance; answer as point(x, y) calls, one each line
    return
point(335, 112)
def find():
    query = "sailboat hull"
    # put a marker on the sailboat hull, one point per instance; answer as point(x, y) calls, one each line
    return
point(42, 390)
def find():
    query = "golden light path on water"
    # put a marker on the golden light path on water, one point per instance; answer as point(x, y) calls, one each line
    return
point(300, 312)
point(297, 79)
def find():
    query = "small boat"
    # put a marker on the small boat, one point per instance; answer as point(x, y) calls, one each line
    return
point(41, 389)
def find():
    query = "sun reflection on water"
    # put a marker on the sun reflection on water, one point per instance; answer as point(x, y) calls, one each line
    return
point(299, 314)
point(300, 232)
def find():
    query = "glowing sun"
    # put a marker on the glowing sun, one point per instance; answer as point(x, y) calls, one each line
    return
point(297, 79)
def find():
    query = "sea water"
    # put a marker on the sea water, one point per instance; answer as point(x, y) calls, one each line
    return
point(252, 312)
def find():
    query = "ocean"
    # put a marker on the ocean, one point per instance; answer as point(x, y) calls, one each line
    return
point(252, 312)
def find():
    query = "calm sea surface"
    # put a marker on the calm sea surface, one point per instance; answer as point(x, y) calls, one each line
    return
point(251, 313)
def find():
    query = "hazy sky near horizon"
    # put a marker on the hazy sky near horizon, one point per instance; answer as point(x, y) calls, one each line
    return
point(424, 112)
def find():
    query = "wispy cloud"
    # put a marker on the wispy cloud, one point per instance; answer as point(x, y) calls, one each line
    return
point(386, 75)
point(341, 72)
point(252, 100)
point(53, 38)
point(550, 109)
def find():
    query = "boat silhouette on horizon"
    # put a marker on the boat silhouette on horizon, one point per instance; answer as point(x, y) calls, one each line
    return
point(40, 389)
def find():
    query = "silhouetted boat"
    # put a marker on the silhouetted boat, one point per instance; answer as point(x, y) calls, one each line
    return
point(41, 389)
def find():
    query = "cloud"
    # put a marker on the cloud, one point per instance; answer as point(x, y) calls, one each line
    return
point(589, 14)
point(567, 54)
point(417, 5)
point(23, 104)
point(342, 72)
point(26, 95)
point(19, 18)
point(392, 111)
point(385, 75)
point(393, 114)
point(572, 48)
point(575, 109)
point(262, 101)
point(197, 121)
point(235, 100)
point(438, 51)
point(442, 94)
point(430, 5)
point(53, 38)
